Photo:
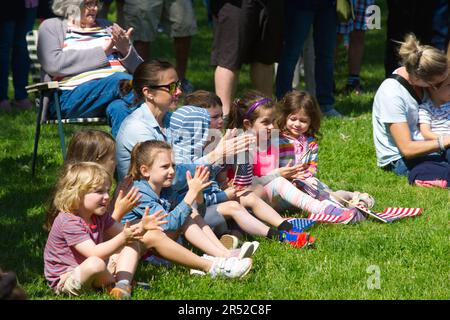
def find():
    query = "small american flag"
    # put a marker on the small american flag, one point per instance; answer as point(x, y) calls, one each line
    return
point(244, 175)
point(323, 217)
point(392, 214)
point(300, 223)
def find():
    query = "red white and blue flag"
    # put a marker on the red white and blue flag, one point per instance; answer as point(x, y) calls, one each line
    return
point(392, 214)
point(301, 224)
point(244, 175)
point(328, 218)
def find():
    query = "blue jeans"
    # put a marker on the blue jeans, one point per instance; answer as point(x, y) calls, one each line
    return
point(97, 98)
point(427, 168)
point(13, 37)
point(298, 21)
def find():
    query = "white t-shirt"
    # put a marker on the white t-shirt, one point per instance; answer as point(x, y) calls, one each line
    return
point(392, 104)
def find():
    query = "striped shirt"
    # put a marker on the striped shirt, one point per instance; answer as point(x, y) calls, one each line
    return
point(67, 231)
point(295, 149)
point(437, 117)
point(77, 39)
point(189, 129)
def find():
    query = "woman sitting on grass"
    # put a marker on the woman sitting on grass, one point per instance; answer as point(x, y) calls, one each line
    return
point(399, 146)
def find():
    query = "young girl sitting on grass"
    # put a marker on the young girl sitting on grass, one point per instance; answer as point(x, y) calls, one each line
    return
point(193, 127)
point(434, 124)
point(153, 171)
point(99, 146)
point(86, 248)
point(255, 113)
point(299, 123)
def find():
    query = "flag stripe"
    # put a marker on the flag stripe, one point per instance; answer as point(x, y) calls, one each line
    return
point(397, 213)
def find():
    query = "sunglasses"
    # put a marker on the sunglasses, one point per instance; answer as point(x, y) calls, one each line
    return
point(438, 85)
point(171, 87)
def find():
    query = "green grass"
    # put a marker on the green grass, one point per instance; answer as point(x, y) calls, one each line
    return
point(412, 254)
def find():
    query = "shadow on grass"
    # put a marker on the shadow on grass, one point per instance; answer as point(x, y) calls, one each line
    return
point(22, 215)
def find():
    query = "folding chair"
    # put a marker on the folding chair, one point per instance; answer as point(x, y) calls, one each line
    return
point(48, 90)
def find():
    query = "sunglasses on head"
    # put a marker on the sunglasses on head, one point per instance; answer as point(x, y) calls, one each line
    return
point(171, 87)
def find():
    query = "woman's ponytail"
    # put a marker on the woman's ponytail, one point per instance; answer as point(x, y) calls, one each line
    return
point(423, 62)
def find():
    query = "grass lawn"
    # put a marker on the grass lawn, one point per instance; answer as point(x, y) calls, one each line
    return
point(411, 255)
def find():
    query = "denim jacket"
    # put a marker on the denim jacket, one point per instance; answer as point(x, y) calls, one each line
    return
point(168, 200)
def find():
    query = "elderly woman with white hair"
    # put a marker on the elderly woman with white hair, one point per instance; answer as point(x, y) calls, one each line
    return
point(89, 57)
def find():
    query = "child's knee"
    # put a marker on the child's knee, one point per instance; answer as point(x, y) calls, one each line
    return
point(94, 265)
point(152, 237)
point(229, 208)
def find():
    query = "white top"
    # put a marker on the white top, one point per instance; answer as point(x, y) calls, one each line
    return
point(392, 104)
point(437, 117)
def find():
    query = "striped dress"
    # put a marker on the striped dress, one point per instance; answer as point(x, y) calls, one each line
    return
point(78, 39)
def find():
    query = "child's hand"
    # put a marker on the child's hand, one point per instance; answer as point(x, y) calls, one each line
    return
point(231, 192)
point(289, 171)
point(127, 203)
point(200, 180)
point(131, 232)
point(302, 172)
point(232, 145)
point(153, 221)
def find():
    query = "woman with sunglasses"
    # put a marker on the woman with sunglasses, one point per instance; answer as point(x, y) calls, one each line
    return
point(400, 147)
point(156, 84)
point(88, 57)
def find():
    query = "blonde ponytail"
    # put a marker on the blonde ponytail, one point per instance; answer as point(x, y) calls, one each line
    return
point(422, 61)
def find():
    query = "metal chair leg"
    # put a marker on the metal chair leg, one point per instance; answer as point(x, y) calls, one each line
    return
point(60, 127)
point(36, 137)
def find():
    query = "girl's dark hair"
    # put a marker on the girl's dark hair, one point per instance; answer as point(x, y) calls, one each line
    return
point(203, 99)
point(240, 106)
point(86, 145)
point(90, 145)
point(144, 153)
point(293, 102)
point(147, 74)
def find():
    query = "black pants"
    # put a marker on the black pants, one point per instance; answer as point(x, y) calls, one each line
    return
point(406, 16)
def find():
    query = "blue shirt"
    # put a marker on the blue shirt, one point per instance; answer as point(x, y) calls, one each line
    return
point(167, 200)
point(139, 126)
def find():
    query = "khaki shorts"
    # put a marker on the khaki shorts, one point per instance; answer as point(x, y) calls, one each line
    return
point(176, 17)
point(70, 282)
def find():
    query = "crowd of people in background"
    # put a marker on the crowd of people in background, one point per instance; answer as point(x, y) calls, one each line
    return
point(170, 143)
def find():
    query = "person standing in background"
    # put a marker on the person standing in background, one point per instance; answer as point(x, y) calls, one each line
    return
point(15, 23)
point(301, 16)
point(355, 29)
point(404, 17)
point(245, 32)
point(176, 17)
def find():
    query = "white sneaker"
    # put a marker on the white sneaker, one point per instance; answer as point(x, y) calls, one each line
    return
point(197, 272)
point(246, 251)
point(229, 241)
point(255, 246)
point(230, 267)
